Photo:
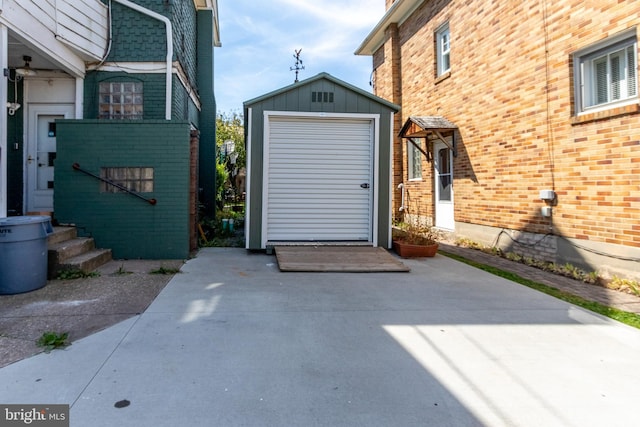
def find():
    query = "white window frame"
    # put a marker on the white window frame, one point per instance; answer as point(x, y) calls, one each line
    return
point(443, 49)
point(595, 69)
point(414, 155)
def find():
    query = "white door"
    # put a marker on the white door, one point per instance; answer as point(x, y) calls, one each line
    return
point(443, 175)
point(41, 154)
point(318, 179)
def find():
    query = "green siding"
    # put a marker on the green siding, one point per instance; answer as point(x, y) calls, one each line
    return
point(132, 30)
point(185, 36)
point(207, 154)
point(129, 226)
point(153, 92)
point(137, 37)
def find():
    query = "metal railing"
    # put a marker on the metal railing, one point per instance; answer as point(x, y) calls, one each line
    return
point(77, 167)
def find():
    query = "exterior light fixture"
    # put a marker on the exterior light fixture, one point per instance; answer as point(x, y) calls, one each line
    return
point(26, 71)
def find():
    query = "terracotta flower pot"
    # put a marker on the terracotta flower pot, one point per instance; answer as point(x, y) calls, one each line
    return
point(406, 250)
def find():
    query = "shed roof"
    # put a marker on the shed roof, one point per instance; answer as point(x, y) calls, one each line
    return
point(332, 79)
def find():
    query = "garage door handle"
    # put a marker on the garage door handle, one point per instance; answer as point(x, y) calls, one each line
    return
point(364, 185)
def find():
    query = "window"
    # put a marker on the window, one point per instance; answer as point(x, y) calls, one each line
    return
point(607, 75)
point(444, 175)
point(443, 42)
point(137, 179)
point(414, 157)
point(121, 100)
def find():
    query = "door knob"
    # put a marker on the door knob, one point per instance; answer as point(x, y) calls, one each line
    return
point(364, 185)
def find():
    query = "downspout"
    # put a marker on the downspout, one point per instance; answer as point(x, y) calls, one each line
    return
point(4, 65)
point(167, 23)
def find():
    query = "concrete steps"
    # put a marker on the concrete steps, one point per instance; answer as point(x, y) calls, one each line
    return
point(67, 251)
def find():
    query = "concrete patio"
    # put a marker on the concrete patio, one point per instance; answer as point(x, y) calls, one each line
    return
point(233, 341)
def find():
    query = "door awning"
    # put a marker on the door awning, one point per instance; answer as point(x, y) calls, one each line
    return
point(431, 128)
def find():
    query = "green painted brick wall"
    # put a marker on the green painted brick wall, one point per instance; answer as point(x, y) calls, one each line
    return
point(130, 227)
point(182, 106)
point(207, 123)
point(153, 92)
point(132, 29)
point(185, 28)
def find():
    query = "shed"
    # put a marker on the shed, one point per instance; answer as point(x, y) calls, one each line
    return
point(319, 157)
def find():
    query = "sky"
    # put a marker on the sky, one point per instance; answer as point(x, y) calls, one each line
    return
point(259, 40)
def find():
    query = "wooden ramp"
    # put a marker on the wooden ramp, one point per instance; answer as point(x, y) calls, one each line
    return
point(352, 259)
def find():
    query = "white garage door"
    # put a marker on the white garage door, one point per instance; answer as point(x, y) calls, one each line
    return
point(318, 180)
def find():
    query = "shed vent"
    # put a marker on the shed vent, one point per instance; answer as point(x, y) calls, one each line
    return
point(321, 96)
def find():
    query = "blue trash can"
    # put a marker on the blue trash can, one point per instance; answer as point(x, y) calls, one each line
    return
point(23, 253)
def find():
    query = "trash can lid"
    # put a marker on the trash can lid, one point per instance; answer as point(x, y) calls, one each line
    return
point(20, 220)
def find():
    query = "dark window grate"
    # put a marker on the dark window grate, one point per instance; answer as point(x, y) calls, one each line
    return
point(321, 96)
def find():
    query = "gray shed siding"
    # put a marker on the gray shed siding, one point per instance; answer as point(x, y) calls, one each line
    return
point(298, 98)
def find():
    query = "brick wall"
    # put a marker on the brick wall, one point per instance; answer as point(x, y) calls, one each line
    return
point(153, 92)
point(185, 36)
point(131, 227)
point(510, 93)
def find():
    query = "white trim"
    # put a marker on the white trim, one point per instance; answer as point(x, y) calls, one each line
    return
point(265, 167)
point(376, 179)
point(412, 150)
point(79, 103)
point(580, 79)
point(32, 111)
point(32, 26)
point(390, 178)
point(605, 42)
point(398, 13)
point(322, 114)
point(213, 6)
point(447, 207)
point(191, 91)
point(440, 52)
point(4, 61)
point(375, 123)
point(247, 197)
point(150, 68)
point(131, 67)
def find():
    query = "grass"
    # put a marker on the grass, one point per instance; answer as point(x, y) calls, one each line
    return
point(53, 340)
point(122, 271)
point(625, 317)
point(567, 270)
point(76, 274)
point(165, 270)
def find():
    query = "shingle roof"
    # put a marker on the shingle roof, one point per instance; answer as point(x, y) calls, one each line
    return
point(425, 123)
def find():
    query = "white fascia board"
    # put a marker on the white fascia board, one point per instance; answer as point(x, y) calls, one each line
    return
point(150, 68)
point(32, 32)
point(213, 6)
point(397, 14)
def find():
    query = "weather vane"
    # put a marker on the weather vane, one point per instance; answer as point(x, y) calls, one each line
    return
point(298, 67)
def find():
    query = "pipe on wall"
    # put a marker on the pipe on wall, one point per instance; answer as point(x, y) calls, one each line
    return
point(169, 59)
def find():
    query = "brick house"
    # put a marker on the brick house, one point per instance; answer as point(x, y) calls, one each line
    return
point(519, 123)
point(121, 90)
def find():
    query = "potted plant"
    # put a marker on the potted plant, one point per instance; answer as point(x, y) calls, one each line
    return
point(411, 241)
